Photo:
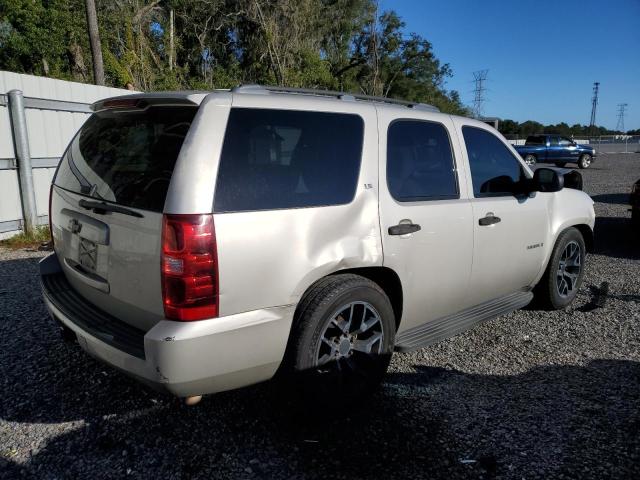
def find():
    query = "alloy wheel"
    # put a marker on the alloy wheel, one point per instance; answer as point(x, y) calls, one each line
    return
point(569, 269)
point(353, 334)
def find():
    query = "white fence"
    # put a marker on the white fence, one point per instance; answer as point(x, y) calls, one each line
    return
point(54, 110)
point(603, 144)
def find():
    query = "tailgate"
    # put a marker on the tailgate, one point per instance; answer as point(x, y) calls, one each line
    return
point(106, 208)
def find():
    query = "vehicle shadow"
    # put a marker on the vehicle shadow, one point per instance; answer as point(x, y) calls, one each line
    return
point(431, 422)
point(614, 237)
point(612, 198)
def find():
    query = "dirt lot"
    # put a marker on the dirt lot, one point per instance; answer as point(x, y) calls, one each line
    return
point(529, 395)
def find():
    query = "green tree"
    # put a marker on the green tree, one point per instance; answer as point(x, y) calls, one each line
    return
point(347, 45)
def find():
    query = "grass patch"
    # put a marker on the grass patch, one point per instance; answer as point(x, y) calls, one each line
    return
point(40, 235)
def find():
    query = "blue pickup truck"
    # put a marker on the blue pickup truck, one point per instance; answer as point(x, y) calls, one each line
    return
point(555, 149)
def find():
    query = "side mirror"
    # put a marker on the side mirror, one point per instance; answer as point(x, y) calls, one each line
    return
point(547, 180)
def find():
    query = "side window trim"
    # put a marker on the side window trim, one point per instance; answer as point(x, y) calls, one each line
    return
point(454, 165)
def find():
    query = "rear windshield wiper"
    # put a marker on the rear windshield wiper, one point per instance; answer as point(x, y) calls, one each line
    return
point(102, 208)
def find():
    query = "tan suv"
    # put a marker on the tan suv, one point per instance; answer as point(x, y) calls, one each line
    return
point(205, 241)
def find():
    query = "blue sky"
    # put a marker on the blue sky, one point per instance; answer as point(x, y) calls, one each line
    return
point(543, 56)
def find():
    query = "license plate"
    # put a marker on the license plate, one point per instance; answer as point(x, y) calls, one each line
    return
point(88, 254)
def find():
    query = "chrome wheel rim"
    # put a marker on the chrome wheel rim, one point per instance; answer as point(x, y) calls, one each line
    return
point(569, 269)
point(586, 160)
point(353, 332)
point(530, 160)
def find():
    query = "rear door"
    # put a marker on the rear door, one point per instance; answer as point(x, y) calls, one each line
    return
point(425, 218)
point(107, 203)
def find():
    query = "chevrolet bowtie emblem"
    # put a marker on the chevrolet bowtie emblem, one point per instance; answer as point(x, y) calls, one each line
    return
point(75, 226)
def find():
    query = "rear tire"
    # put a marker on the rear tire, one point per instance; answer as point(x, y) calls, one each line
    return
point(584, 161)
point(562, 279)
point(341, 342)
point(530, 160)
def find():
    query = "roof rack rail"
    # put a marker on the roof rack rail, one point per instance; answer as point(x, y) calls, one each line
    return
point(265, 89)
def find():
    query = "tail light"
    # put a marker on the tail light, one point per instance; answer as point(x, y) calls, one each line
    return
point(189, 267)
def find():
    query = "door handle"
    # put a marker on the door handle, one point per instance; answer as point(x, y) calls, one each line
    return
point(490, 219)
point(403, 228)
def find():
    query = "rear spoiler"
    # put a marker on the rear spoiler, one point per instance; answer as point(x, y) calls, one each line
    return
point(143, 100)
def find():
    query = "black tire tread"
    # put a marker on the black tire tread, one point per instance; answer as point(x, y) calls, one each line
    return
point(544, 290)
point(323, 293)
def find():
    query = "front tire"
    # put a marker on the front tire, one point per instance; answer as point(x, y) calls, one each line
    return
point(584, 161)
point(563, 277)
point(341, 342)
point(530, 160)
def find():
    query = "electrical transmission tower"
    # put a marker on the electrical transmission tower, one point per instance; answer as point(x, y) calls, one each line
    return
point(621, 109)
point(594, 105)
point(479, 77)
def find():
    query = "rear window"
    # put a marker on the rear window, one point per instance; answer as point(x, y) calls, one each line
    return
point(273, 159)
point(126, 157)
point(535, 140)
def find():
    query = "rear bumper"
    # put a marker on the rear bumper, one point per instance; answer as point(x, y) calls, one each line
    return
point(183, 358)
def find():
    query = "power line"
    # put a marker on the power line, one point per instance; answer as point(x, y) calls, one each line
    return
point(479, 77)
point(594, 105)
point(621, 109)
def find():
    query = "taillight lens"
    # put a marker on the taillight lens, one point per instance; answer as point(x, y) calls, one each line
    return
point(189, 267)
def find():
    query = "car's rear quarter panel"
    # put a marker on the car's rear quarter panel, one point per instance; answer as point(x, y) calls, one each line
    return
point(269, 258)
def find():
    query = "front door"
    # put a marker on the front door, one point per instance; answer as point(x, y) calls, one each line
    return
point(510, 226)
point(554, 150)
point(425, 216)
point(569, 150)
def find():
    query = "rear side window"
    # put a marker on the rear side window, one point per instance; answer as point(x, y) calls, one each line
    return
point(494, 170)
point(126, 157)
point(419, 161)
point(273, 159)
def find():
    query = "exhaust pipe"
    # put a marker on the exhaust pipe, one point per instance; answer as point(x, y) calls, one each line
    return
point(194, 400)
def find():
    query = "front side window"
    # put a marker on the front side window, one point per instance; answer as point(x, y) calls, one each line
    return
point(420, 163)
point(273, 159)
point(553, 141)
point(494, 170)
point(565, 142)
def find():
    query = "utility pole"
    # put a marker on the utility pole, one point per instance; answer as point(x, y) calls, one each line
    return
point(621, 109)
point(594, 105)
point(479, 77)
point(94, 40)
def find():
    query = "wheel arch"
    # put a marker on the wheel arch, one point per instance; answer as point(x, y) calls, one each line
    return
point(583, 228)
point(386, 278)
point(587, 234)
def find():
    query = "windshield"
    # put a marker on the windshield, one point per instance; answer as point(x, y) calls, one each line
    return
point(126, 157)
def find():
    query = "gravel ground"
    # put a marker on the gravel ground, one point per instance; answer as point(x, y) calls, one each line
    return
point(529, 395)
